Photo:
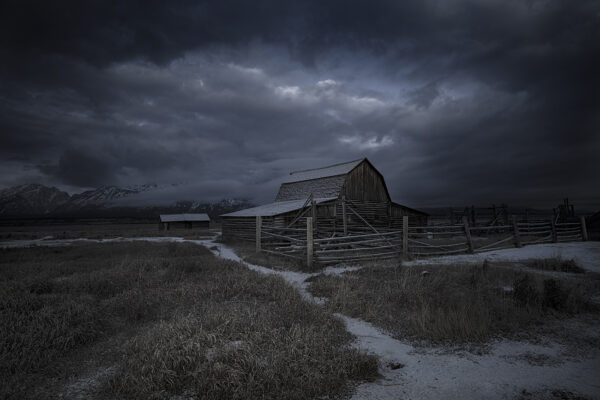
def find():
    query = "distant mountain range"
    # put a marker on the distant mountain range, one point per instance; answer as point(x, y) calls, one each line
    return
point(35, 200)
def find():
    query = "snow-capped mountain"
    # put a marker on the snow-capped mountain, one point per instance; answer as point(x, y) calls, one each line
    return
point(143, 201)
point(106, 195)
point(31, 199)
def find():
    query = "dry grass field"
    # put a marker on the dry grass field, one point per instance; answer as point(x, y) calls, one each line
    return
point(146, 320)
point(94, 231)
point(463, 303)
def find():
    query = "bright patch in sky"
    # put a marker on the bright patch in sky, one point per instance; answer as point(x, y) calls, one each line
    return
point(288, 91)
point(372, 143)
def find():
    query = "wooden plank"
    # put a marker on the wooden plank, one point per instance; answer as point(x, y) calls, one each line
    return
point(344, 215)
point(516, 231)
point(309, 242)
point(584, 233)
point(351, 243)
point(368, 235)
point(468, 234)
point(283, 237)
point(356, 250)
point(302, 210)
point(405, 236)
point(258, 233)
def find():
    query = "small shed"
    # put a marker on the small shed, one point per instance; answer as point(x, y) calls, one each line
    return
point(183, 221)
point(340, 197)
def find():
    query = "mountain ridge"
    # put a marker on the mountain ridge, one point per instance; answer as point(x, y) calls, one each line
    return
point(36, 200)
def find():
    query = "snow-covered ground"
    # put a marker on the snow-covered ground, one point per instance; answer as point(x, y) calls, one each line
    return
point(500, 374)
point(585, 254)
point(507, 368)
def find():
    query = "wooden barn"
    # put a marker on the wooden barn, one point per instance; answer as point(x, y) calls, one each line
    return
point(343, 198)
point(183, 221)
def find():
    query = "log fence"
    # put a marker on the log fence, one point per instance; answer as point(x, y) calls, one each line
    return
point(313, 246)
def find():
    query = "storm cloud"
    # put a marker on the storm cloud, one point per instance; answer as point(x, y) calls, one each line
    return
point(455, 102)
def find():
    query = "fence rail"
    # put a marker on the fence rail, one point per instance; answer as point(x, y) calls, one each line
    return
point(326, 247)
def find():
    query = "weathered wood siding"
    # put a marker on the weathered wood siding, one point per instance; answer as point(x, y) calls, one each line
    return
point(239, 228)
point(320, 188)
point(364, 183)
point(415, 218)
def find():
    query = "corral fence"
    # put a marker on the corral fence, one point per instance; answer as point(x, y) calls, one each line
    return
point(308, 244)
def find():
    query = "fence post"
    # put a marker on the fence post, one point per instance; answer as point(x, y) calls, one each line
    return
point(516, 230)
point(344, 215)
point(309, 242)
point(554, 237)
point(405, 235)
point(258, 233)
point(468, 234)
point(584, 234)
point(313, 205)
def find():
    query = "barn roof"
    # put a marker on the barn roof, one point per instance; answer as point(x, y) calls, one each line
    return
point(324, 172)
point(321, 182)
point(184, 217)
point(276, 208)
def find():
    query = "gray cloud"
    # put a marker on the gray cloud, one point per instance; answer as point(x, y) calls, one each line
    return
point(455, 101)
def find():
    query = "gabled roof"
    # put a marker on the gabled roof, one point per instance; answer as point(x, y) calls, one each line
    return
point(321, 182)
point(184, 217)
point(276, 208)
point(323, 172)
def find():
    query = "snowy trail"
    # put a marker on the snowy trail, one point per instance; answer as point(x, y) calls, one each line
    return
point(435, 373)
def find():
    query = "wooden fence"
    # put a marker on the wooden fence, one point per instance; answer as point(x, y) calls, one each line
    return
point(311, 245)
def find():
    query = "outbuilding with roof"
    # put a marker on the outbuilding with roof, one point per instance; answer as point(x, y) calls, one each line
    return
point(350, 196)
point(183, 221)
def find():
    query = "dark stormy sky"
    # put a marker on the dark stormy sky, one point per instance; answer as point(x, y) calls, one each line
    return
point(455, 101)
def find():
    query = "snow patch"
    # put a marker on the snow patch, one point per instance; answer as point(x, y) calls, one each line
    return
point(585, 254)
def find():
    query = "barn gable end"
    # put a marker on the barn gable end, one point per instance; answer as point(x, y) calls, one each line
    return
point(365, 183)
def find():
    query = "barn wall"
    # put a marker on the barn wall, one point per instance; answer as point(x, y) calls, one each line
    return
point(364, 183)
point(238, 228)
point(414, 218)
point(244, 228)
